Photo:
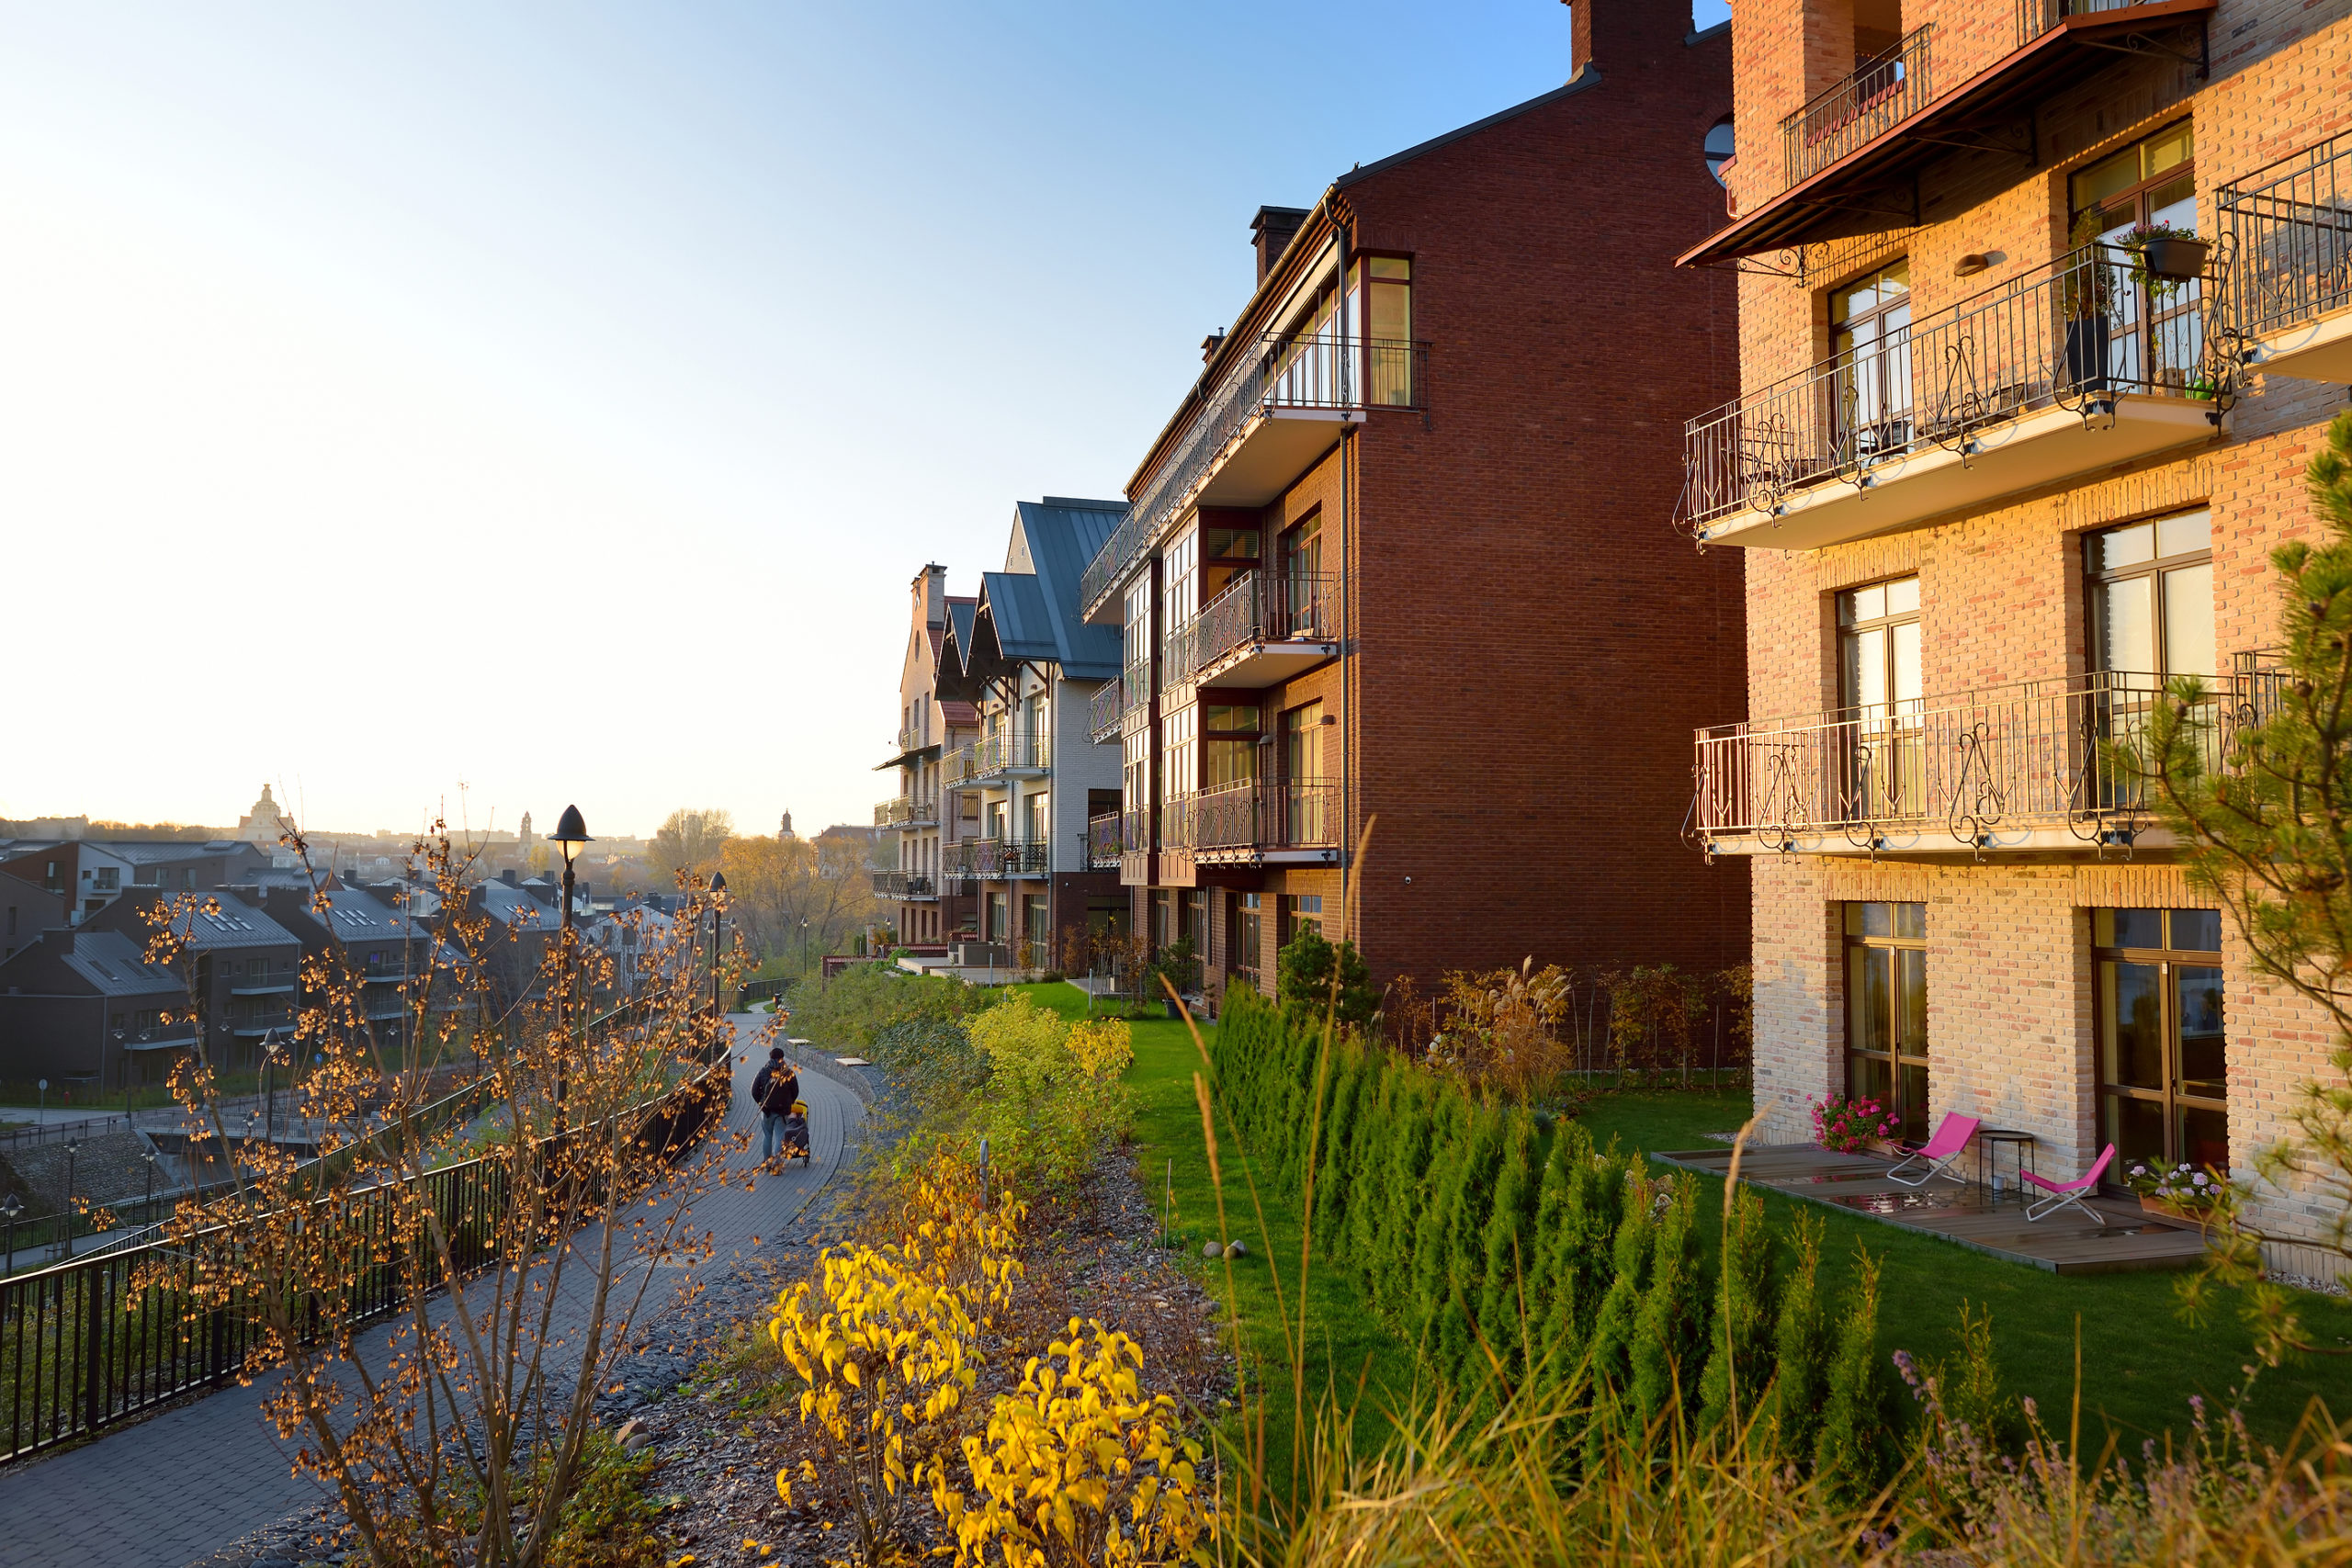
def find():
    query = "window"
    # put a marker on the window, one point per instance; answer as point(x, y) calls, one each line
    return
point(1301, 911)
point(999, 917)
point(2153, 181)
point(1721, 146)
point(1228, 745)
point(1878, 675)
point(1177, 756)
point(1163, 918)
point(1869, 337)
point(1032, 746)
point(1248, 934)
point(1303, 793)
point(1135, 636)
point(1886, 1010)
point(1193, 919)
point(1176, 584)
point(108, 879)
point(2152, 597)
point(1036, 926)
point(2164, 1079)
point(1385, 284)
point(1135, 787)
point(1038, 829)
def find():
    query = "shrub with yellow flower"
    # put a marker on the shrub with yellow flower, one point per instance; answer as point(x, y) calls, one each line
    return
point(1080, 1468)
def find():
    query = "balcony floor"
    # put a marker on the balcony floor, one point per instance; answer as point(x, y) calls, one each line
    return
point(1910, 841)
point(1261, 664)
point(1970, 1216)
point(2046, 446)
point(2315, 350)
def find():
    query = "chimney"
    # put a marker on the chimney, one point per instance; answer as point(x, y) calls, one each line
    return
point(511, 878)
point(1622, 34)
point(1272, 229)
point(930, 595)
point(1210, 343)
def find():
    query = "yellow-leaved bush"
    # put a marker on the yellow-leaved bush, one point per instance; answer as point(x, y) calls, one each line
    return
point(1079, 1468)
point(1054, 1092)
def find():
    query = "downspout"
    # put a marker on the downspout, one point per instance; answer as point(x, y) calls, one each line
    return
point(1347, 676)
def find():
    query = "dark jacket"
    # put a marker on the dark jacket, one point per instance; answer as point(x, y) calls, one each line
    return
point(776, 1090)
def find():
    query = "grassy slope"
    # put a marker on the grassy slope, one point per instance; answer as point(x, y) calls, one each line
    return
point(2141, 1361)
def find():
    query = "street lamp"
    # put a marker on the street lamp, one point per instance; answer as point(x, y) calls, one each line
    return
point(269, 1052)
point(11, 1207)
point(718, 923)
point(149, 1156)
point(570, 833)
point(43, 1113)
point(73, 1147)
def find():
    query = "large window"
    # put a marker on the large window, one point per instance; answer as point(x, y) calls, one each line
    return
point(1877, 676)
point(1037, 828)
point(1386, 282)
point(1248, 932)
point(1886, 1010)
point(1177, 581)
point(1228, 744)
point(1302, 809)
point(1869, 336)
point(1301, 911)
point(2154, 181)
point(2152, 596)
point(2164, 1081)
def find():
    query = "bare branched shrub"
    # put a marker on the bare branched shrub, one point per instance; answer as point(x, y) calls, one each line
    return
point(1502, 1029)
point(513, 1234)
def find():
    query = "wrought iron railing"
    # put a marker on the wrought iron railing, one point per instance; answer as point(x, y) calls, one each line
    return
point(1256, 607)
point(1135, 690)
point(1319, 370)
point(904, 885)
point(2289, 225)
point(2073, 333)
point(2035, 17)
point(1009, 748)
point(957, 767)
point(905, 810)
point(1971, 764)
point(1257, 815)
point(1135, 832)
point(1104, 842)
point(913, 737)
point(1102, 711)
point(1881, 90)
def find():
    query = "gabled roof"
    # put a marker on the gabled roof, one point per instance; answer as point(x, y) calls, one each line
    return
point(513, 907)
point(115, 965)
point(219, 921)
point(1030, 610)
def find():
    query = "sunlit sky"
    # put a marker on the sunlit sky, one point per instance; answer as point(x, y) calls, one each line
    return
point(480, 408)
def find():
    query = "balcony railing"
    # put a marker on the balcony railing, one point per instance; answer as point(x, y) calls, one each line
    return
point(1135, 832)
point(1973, 767)
point(905, 810)
point(993, 860)
point(1244, 820)
point(904, 885)
point(1103, 709)
point(2074, 334)
point(2290, 227)
point(1135, 690)
point(1884, 89)
point(1105, 842)
point(1314, 371)
point(1256, 607)
point(1008, 749)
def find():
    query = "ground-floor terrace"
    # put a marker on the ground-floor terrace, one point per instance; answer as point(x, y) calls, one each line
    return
point(2068, 1003)
point(1238, 919)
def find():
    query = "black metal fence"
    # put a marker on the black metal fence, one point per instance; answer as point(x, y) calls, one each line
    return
point(89, 1342)
point(1881, 90)
point(2291, 224)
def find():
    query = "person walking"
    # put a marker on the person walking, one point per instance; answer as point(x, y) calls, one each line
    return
point(775, 1090)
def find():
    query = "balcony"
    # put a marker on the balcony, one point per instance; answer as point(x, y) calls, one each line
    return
point(2023, 767)
point(1259, 632)
point(1105, 842)
point(1850, 157)
point(1104, 710)
point(2072, 367)
point(262, 984)
point(1261, 823)
point(1278, 406)
point(2290, 227)
point(905, 884)
point(1011, 754)
point(262, 1021)
point(995, 860)
point(907, 811)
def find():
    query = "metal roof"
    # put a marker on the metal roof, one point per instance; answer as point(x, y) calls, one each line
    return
point(513, 907)
point(1059, 536)
point(115, 965)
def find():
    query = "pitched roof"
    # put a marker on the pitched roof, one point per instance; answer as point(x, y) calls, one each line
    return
point(1034, 613)
point(513, 907)
point(115, 965)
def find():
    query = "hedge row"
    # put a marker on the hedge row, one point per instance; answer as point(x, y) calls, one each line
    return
point(1506, 1248)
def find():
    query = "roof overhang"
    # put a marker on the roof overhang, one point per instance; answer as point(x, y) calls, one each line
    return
point(1876, 187)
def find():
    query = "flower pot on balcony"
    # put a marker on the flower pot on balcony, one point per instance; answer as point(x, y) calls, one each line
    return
point(2179, 259)
point(2087, 344)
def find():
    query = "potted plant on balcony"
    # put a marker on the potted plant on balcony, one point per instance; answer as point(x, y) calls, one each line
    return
point(2164, 257)
point(1852, 1126)
point(2180, 1192)
point(2087, 299)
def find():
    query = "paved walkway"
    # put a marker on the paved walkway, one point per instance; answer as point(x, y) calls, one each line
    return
point(191, 1481)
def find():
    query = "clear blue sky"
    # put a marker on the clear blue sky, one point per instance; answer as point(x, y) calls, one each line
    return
point(554, 400)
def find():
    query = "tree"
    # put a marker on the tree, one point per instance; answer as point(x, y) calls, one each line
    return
point(1579, 1268)
point(1799, 1349)
point(1669, 1344)
point(516, 1228)
point(1313, 976)
point(795, 898)
point(2270, 832)
point(1856, 1452)
point(1739, 1344)
point(690, 842)
point(1509, 1269)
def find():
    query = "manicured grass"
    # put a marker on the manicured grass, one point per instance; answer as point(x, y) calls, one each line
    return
point(2141, 1361)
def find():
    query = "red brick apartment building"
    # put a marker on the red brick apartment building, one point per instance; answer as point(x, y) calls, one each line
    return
point(1998, 468)
point(920, 824)
point(1394, 556)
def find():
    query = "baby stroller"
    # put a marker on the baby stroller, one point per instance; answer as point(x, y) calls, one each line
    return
point(796, 1133)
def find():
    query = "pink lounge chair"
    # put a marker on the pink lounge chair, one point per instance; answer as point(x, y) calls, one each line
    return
point(2063, 1194)
point(1939, 1151)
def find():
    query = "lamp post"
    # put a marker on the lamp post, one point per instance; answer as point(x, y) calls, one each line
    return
point(270, 1084)
point(718, 924)
point(804, 945)
point(570, 833)
point(42, 1114)
point(11, 1207)
point(149, 1156)
point(73, 1147)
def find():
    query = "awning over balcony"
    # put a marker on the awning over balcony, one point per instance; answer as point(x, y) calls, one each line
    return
point(1874, 187)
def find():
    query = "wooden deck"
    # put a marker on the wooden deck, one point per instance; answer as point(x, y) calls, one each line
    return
point(1970, 1216)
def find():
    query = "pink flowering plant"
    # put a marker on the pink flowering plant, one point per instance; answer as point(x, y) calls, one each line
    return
point(2183, 1186)
point(1845, 1126)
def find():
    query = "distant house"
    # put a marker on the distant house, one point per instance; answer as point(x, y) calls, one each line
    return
point(27, 910)
point(84, 1009)
point(90, 873)
point(522, 926)
point(383, 947)
point(247, 967)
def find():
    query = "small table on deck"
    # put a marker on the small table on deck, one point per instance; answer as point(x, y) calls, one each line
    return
point(1988, 1142)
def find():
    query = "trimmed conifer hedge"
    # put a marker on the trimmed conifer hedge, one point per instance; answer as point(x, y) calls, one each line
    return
point(1505, 1247)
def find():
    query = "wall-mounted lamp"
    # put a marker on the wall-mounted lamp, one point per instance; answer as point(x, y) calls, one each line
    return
point(1972, 264)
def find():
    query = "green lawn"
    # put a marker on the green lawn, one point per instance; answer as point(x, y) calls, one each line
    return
point(2141, 1361)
